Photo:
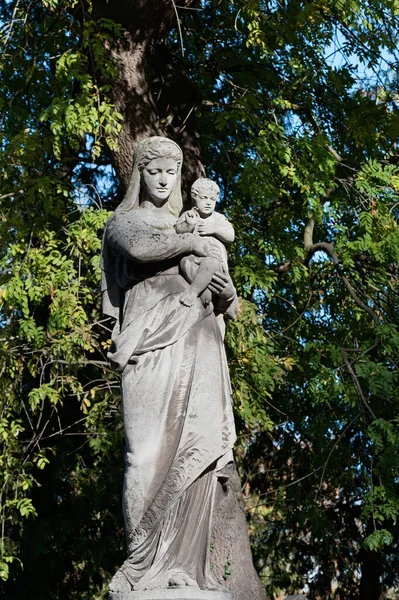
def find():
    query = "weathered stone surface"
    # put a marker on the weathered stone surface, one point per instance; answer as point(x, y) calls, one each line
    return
point(176, 396)
point(172, 595)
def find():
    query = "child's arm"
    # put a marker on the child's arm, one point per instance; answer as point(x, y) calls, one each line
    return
point(218, 226)
point(186, 223)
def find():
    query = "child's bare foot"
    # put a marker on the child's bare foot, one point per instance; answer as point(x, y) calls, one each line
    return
point(119, 583)
point(188, 298)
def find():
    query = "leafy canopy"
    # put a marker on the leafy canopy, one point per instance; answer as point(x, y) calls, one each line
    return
point(297, 109)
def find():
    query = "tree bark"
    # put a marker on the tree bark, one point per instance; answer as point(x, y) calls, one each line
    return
point(151, 93)
point(155, 98)
point(231, 552)
point(132, 97)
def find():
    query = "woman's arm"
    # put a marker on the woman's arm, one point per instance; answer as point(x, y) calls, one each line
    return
point(134, 238)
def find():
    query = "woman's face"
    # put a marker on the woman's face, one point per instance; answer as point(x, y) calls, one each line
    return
point(159, 179)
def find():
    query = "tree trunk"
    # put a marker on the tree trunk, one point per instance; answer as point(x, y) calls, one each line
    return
point(152, 95)
point(231, 552)
point(151, 108)
point(370, 586)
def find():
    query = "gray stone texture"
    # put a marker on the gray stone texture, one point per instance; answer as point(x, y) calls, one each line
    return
point(175, 388)
point(180, 594)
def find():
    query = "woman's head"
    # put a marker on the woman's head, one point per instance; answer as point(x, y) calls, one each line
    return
point(157, 165)
point(158, 180)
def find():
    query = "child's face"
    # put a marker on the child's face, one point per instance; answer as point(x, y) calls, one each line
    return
point(205, 201)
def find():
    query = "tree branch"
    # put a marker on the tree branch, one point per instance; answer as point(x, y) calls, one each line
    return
point(356, 383)
point(308, 234)
point(334, 153)
point(358, 301)
point(328, 247)
point(11, 194)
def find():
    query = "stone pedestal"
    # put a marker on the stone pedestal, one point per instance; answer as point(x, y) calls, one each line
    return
point(171, 594)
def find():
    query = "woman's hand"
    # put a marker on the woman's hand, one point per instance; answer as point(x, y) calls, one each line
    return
point(221, 285)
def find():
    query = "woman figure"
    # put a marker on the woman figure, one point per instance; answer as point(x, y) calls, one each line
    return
point(176, 396)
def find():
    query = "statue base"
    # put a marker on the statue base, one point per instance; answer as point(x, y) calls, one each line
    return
point(171, 594)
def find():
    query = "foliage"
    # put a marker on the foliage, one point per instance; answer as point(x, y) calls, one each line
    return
point(297, 107)
point(58, 406)
point(303, 99)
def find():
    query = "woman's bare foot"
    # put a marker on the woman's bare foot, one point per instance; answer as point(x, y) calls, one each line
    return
point(179, 579)
point(119, 583)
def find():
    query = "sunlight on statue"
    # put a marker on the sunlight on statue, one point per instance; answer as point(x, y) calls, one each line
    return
point(166, 282)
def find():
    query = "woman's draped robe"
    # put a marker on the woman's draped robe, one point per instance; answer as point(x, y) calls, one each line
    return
point(176, 401)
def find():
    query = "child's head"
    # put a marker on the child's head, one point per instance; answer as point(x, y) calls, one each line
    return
point(205, 194)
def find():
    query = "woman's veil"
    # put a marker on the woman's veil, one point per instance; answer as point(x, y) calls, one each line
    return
point(152, 147)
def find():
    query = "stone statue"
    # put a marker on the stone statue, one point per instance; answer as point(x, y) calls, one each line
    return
point(203, 219)
point(167, 291)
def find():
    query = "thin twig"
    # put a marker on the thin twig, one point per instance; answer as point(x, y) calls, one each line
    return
point(332, 450)
point(11, 24)
point(179, 27)
point(11, 194)
point(288, 485)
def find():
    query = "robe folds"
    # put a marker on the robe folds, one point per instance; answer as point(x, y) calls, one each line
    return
point(176, 401)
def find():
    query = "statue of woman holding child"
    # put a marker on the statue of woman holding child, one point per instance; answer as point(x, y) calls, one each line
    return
point(166, 284)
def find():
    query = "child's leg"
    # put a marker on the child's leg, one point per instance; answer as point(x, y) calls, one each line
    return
point(189, 267)
point(206, 269)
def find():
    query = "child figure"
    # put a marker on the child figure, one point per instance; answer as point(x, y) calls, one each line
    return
point(203, 219)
